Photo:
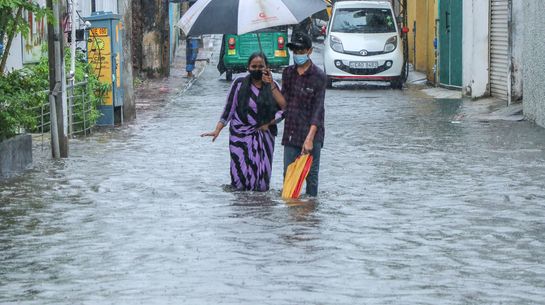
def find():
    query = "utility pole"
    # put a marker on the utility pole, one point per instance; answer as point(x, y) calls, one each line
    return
point(57, 83)
point(124, 8)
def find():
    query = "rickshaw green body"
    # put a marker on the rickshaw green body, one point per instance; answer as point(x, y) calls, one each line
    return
point(235, 57)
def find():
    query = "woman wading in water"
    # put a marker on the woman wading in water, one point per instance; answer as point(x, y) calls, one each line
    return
point(254, 107)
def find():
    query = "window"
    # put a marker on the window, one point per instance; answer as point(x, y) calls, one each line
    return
point(363, 20)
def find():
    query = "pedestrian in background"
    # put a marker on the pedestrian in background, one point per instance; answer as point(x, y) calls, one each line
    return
point(253, 109)
point(191, 50)
point(303, 87)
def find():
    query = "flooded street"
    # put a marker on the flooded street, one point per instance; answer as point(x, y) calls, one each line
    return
point(414, 207)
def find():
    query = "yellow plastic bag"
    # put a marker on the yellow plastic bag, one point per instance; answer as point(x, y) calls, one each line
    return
point(295, 176)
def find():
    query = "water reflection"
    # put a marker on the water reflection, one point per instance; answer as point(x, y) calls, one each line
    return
point(302, 210)
point(253, 199)
point(264, 203)
point(449, 107)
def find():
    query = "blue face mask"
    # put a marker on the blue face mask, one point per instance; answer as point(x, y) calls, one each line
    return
point(300, 59)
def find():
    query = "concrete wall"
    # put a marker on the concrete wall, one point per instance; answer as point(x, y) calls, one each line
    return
point(475, 48)
point(418, 51)
point(15, 58)
point(151, 37)
point(517, 40)
point(15, 155)
point(423, 13)
point(101, 5)
point(106, 6)
point(433, 12)
point(411, 20)
point(534, 61)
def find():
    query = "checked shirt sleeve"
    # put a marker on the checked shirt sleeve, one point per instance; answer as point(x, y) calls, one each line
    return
point(285, 82)
point(318, 105)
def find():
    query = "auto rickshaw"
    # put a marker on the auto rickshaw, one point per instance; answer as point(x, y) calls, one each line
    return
point(236, 49)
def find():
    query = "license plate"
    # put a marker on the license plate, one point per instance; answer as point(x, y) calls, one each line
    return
point(280, 53)
point(231, 52)
point(364, 64)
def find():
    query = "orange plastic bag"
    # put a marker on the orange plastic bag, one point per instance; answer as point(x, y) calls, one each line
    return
point(295, 176)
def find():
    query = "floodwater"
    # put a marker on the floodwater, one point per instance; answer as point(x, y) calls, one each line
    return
point(414, 208)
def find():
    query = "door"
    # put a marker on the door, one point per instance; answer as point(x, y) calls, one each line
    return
point(450, 43)
point(499, 49)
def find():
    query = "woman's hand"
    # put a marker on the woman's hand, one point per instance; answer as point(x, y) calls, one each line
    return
point(278, 97)
point(267, 77)
point(267, 126)
point(214, 134)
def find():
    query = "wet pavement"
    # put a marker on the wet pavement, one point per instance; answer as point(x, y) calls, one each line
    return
point(415, 207)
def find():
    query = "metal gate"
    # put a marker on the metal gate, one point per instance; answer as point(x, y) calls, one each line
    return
point(500, 16)
point(450, 43)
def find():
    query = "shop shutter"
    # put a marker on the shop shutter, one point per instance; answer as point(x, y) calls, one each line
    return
point(499, 49)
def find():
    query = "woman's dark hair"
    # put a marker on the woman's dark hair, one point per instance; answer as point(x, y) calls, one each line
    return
point(266, 105)
point(258, 54)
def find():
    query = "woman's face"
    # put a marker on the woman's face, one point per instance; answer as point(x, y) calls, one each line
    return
point(257, 64)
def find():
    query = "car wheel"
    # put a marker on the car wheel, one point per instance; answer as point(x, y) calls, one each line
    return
point(397, 83)
point(229, 75)
point(329, 83)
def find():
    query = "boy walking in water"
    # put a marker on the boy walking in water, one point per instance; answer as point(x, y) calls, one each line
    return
point(303, 87)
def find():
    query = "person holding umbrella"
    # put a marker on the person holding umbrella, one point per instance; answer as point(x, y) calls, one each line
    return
point(250, 102)
point(303, 87)
point(254, 107)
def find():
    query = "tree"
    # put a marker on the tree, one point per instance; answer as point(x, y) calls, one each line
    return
point(12, 23)
point(151, 42)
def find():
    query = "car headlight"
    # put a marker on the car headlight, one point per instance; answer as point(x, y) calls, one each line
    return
point(391, 44)
point(336, 44)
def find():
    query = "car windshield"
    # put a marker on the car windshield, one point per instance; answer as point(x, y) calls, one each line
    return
point(363, 20)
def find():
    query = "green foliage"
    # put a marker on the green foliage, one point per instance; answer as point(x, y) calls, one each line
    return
point(22, 95)
point(9, 9)
point(12, 22)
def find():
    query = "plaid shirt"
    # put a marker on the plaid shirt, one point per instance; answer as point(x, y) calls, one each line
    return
point(304, 96)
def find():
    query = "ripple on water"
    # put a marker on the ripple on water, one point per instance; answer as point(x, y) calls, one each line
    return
point(412, 209)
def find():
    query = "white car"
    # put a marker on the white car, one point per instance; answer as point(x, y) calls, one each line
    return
point(363, 42)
